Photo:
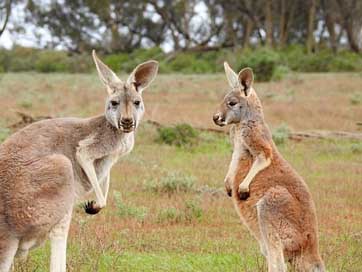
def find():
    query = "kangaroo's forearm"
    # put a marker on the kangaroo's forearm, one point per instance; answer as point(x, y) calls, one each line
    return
point(88, 167)
point(233, 167)
point(261, 162)
point(105, 186)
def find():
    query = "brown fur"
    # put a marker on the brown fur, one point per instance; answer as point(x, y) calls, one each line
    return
point(279, 212)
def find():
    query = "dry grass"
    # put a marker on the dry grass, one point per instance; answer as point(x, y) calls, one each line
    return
point(208, 236)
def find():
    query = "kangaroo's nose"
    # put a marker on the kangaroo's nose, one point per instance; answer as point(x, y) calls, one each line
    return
point(127, 121)
point(217, 117)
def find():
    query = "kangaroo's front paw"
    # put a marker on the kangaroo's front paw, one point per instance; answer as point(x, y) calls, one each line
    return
point(243, 193)
point(91, 207)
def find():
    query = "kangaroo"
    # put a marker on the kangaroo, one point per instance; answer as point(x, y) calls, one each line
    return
point(48, 165)
point(272, 200)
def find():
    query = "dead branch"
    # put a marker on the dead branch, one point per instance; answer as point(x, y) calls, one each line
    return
point(297, 136)
point(26, 119)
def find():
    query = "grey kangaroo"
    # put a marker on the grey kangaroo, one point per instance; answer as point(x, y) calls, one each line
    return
point(48, 165)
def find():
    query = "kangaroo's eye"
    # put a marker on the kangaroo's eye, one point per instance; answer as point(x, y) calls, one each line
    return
point(232, 103)
point(114, 103)
point(137, 103)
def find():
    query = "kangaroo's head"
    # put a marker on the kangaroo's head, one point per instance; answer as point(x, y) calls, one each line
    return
point(240, 103)
point(124, 104)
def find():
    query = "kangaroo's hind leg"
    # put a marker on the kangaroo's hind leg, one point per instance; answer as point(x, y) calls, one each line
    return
point(8, 247)
point(274, 210)
point(58, 241)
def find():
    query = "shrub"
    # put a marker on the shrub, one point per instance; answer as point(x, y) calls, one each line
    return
point(80, 63)
point(189, 63)
point(138, 56)
point(179, 135)
point(356, 148)
point(192, 211)
point(115, 61)
point(281, 134)
point(280, 72)
point(52, 61)
point(356, 99)
point(188, 214)
point(264, 63)
point(174, 182)
point(21, 59)
point(127, 211)
point(268, 64)
point(171, 215)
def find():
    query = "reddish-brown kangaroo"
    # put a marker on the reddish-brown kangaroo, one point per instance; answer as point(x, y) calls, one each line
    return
point(47, 166)
point(273, 201)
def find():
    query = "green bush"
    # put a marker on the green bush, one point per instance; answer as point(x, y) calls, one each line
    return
point(20, 59)
point(268, 64)
point(356, 99)
point(192, 211)
point(127, 211)
point(52, 61)
point(188, 214)
point(115, 61)
point(281, 134)
point(170, 215)
point(356, 148)
point(280, 72)
point(82, 63)
point(173, 182)
point(297, 59)
point(140, 55)
point(179, 135)
point(189, 63)
point(263, 61)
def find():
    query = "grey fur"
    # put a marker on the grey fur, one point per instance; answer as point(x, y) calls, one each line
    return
point(47, 166)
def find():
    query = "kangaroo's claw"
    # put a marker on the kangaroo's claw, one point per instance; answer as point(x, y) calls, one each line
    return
point(229, 192)
point(91, 207)
point(244, 195)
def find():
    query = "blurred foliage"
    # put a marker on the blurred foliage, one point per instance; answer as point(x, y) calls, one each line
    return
point(281, 134)
point(267, 64)
point(179, 135)
point(128, 211)
point(191, 212)
point(174, 182)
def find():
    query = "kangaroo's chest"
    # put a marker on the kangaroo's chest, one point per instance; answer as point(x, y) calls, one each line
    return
point(240, 145)
point(104, 165)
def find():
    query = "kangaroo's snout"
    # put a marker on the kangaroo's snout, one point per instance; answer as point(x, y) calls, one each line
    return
point(127, 124)
point(219, 119)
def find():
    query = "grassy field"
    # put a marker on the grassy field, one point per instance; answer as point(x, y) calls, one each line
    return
point(167, 209)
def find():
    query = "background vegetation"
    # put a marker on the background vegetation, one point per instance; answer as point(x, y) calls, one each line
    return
point(268, 64)
point(167, 209)
point(196, 36)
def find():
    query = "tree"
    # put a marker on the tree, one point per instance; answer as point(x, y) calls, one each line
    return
point(112, 25)
point(311, 20)
point(5, 10)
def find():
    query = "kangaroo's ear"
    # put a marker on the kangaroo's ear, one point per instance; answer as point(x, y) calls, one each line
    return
point(231, 76)
point(143, 75)
point(246, 79)
point(107, 76)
